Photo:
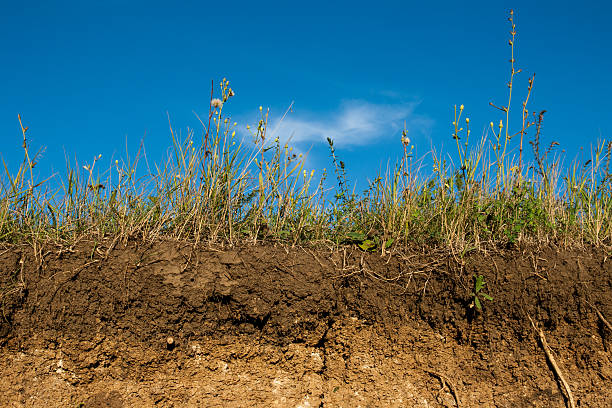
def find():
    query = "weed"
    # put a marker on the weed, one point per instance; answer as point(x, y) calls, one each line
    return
point(477, 294)
point(368, 243)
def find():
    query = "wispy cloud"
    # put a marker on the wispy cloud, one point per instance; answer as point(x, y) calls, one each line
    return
point(355, 123)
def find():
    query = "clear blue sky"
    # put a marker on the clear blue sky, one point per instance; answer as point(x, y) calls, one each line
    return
point(88, 76)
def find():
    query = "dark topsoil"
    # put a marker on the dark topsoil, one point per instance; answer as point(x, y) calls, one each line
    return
point(274, 326)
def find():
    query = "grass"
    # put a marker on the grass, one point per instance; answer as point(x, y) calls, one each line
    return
point(220, 188)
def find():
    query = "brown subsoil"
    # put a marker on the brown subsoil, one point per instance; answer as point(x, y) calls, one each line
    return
point(295, 327)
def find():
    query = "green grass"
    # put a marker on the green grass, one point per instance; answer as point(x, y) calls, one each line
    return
point(218, 188)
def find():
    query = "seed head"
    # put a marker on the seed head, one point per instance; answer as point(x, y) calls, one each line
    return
point(216, 103)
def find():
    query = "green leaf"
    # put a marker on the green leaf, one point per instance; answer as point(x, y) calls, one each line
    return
point(484, 295)
point(367, 245)
point(477, 303)
point(356, 236)
point(479, 283)
point(389, 243)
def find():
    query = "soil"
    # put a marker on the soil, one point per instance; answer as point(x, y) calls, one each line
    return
point(171, 324)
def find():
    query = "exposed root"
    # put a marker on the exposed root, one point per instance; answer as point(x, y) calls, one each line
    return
point(601, 316)
point(554, 364)
point(444, 382)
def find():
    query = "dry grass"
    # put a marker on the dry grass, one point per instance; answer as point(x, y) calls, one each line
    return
point(220, 188)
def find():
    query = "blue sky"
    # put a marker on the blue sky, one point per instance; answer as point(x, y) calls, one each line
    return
point(90, 78)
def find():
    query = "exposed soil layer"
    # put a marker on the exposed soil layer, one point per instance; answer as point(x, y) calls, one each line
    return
point(169, 324)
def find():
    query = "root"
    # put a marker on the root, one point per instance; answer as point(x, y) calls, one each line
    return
point(601, 316)
point(554, 364)
point(444, 382)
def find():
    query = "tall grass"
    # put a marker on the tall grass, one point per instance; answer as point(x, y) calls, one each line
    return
point(217, 187)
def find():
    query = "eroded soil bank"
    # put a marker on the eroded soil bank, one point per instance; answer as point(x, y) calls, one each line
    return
point(294, 327)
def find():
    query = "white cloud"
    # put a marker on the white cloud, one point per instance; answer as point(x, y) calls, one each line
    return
point(356, 123)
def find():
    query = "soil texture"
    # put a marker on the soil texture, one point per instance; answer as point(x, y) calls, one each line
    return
point(171, 324)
